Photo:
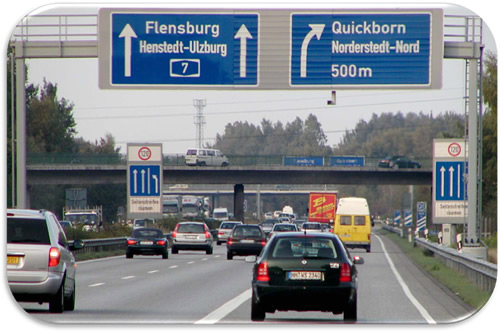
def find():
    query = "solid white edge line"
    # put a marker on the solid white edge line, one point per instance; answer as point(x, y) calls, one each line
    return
point(405, 288)
point(226, 308)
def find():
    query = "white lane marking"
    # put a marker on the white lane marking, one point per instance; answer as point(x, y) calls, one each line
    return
point(153, 271)
point(204, 259)
point(174, 266)
point(97, 285)
point(406, 290)
point(226, 308)
point(190, 262)
point(128, 277)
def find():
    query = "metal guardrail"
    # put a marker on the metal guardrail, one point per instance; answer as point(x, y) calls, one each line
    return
point(482, 273)
point(100, 245)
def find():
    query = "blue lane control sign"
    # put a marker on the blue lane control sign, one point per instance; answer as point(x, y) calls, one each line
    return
point(358, 49)
point(450, 181)
point(177, 49)
point(145, 180)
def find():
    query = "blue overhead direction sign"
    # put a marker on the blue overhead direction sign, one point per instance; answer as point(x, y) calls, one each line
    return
point(302, 161)
point(184, 49)
point(347, 161)
point(361, 49)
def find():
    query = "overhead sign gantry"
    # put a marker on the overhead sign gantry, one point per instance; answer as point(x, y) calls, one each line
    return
point(270, 49)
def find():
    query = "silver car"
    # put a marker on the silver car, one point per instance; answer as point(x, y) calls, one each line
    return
point(40, 265)
point(225, 230)
point(192, 236)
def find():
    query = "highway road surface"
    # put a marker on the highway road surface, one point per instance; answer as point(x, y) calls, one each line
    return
point(194, 288)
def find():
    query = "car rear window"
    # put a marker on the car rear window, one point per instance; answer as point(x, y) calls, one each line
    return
point(304, 247)
point(285, 228)
point(359, 220)
point(146, 233)
point(345, 220)
point(26, 230)
point(191, 228)
point(311, 226)
point(228, 226)
point(247, 231)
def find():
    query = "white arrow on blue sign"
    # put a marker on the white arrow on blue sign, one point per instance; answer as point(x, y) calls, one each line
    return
point(145, 180)
point(179, 49)
point(450, 181)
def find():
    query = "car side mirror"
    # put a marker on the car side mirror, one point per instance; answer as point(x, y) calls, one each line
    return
point(251, 259)
point(77, 245)
point(358, 260)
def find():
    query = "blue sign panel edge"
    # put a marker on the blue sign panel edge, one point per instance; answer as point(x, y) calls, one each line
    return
point(146, 85)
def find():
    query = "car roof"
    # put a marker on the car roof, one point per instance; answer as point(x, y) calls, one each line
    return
point(191, 222)
point(26, 213)
point(302, 234)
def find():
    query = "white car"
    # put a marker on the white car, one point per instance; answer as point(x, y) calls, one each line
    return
point(312, 227)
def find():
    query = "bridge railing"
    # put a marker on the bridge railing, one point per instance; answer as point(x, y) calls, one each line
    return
point(174, 159)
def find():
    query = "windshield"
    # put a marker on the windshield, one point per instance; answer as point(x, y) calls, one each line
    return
point(82, 218)
point(191, 228)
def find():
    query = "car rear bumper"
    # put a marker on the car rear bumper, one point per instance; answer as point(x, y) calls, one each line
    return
point(149, 250)
point(304, 298)
point(245, 249)
point(191, 245)
point(36, 291)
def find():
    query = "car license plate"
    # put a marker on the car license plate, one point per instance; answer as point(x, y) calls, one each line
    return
point(247, 241)
point(147, 243)
point(12, 260)
point(191, 237)
point(305, 275)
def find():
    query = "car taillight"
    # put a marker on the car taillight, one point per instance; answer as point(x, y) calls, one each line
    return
point(263, 272)
point(345, 273)
point(220, 233)
point(207, 234)
point(54, 257)
point(230, 241)
point(131, 242)
point(263, 243)
point(161, 242)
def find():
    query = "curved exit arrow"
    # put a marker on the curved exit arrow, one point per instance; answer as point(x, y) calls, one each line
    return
point(316, 31)
point(128, 33)
point(243, 34)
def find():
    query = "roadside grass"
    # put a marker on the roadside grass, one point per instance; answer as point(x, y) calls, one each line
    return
point(454, 281)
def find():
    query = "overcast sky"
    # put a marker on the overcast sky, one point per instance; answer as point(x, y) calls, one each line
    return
point(168, 116)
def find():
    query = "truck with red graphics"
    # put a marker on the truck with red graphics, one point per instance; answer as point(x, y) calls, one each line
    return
point(322, 206)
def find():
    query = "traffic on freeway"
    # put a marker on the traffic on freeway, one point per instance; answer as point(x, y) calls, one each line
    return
point(194, 288)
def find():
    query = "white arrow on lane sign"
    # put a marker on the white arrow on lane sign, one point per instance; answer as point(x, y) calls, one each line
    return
point(243, 34)
point(452, 170)
point(128, 33)
point(156, 183)
point(135, 181)
point(143, 172)
point(316, 30)
point(442, 170)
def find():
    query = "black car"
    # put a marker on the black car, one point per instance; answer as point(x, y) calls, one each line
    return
point(147, 241)
point(245, 240)
point(305, 272)
point(397, 162)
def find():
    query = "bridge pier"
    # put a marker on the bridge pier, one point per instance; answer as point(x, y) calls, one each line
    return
point(239, 198)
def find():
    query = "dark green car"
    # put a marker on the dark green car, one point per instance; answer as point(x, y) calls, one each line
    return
point(147, 241)
point(305, 272)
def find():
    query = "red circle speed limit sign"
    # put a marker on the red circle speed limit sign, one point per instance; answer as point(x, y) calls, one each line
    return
point(454, 149)
point(144, 153)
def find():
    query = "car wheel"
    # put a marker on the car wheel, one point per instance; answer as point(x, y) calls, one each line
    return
point(129, 255)
point(164, 255)
point(69, 303)
point(210, 250)
point(351, 312)
point(229, 255)
point(257, 314)
point(368, 248)
point(175, 250)
point(218, 243)
point(56, 303)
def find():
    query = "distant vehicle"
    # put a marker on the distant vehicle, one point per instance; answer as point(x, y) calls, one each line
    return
point(245, 240)
point(178, 187)
point(192, 236)
point(353, 222)
point(172, 205)
point(287, 209)
point(281, 227)
point(205, 157)
point(312, 272)
point(40, 265)
point(66, 225)
point(268, 225)
point(397, 162)
point(225, 230)
point(322, 206)
point(268, 215)
point(90, 218)
point(192, 207)
point(147, 241)
point(221, 214)
point(312, 227)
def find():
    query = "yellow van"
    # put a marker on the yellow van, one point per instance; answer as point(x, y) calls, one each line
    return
point(352, 222)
